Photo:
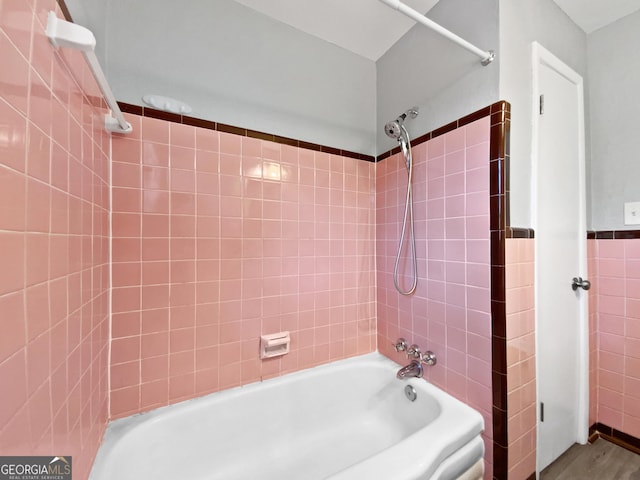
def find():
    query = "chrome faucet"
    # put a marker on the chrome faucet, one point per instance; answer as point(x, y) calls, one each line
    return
point(414, 369)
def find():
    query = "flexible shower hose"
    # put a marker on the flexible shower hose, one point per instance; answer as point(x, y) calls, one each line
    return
point(408, 212)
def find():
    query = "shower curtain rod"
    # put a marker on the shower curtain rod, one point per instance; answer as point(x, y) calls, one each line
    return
point(486, 56)
point(69, 35)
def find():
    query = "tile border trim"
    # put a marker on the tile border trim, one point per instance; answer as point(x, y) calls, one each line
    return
point(65, 10)
point(243, 132)
point(624, 440)
point(499, 219)
point(613, 234)
point(516, 232)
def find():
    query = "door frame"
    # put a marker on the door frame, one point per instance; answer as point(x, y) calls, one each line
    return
point(541, 56)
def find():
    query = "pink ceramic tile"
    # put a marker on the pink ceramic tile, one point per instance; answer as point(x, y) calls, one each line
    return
point(126, 175)
point(37, 206)
point(477, 181)
point(13, 367)
point(230, 144)
point(13, 312)
point(153, 154)
point(477, 132)
point(12, 254)
point(207, 140)
point(611, 267)
point(38, 348)
point(76, 204)
point(40, 105)
point(14, 74)
point(125, 375)
point(126, 299)
point(454, 140)
point(610, 249)
point(125, 324)
point(36, 253)
point(125, 401)
point(182, 157)
point(611, 305)
point(218, 214)
point(155, 130)
point(12, 199)
point(127, 200)
point(610, 417)
point(155, 223)
point(14, 129)
point(16, 20)
point(154, 394)
point(435, 148)
point(155, 178)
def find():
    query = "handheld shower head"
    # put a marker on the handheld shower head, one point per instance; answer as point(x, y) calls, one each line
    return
point(397, 131)
point(394, 129)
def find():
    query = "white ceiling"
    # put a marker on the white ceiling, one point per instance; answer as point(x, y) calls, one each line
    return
point(591, 15)
point(369, 28)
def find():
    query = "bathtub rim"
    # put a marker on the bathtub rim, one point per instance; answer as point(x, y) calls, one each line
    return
point(120, 428)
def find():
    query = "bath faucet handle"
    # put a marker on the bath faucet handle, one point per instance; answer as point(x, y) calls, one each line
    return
point(429, 358)
point(414, 352)
point(401, 345)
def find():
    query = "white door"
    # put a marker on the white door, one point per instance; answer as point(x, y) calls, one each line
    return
point(560, 239)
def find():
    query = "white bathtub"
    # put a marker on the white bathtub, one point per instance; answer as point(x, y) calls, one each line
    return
point(346, 420)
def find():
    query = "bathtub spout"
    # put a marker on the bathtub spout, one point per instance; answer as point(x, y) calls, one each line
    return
point(414, 369)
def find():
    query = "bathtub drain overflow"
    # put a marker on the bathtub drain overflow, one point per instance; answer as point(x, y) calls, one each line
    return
point(410, 393)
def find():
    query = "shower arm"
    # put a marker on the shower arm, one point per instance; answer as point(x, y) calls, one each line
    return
point(486, 56)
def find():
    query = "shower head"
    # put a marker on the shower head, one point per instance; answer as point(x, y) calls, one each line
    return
point(393, 129)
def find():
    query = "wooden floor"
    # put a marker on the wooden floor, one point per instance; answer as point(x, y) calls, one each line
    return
point(601, 460)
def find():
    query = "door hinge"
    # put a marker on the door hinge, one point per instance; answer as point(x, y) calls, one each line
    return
point(541, 411)
point(541, 104)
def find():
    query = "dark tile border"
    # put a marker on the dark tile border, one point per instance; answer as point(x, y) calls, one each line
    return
point(624, 440)
point(500, 115)
point(244, 132)
point(613, 235)
point(514, 232)
point(65, 10)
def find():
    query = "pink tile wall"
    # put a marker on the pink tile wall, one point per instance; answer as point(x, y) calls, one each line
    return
point(450, 310)
point(219, 238)
point(54, 245)
point(618, 304)
point(594, 361)
point(521, 368)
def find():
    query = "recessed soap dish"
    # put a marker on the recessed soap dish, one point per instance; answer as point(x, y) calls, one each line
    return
point(274, 345)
